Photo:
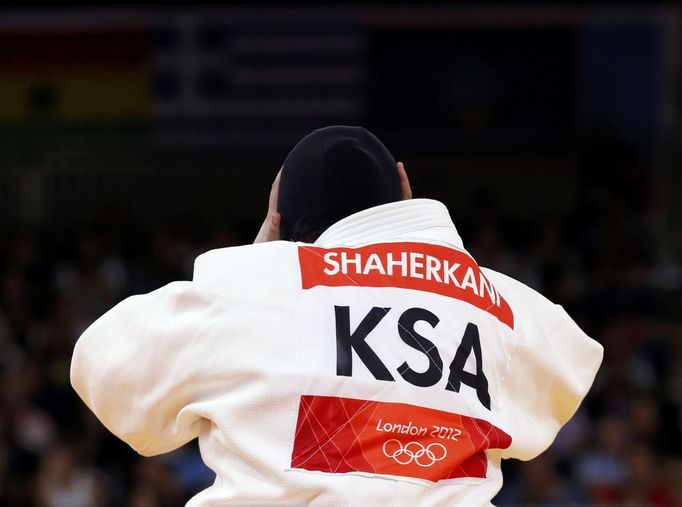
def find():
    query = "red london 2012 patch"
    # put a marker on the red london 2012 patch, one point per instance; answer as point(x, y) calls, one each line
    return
point(341, 435)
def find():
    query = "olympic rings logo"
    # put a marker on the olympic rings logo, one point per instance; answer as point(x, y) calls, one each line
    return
point(414, 452)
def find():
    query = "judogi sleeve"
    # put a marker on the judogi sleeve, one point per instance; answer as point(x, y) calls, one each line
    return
point(142, 367)
point(553, 364)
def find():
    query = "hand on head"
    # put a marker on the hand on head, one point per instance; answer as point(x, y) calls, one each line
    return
point(269, 231)
point(404, 182)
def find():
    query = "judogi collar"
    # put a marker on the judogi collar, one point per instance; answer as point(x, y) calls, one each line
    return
point(414, 219)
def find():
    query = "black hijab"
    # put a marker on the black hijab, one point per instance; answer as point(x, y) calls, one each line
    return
point(330, 174)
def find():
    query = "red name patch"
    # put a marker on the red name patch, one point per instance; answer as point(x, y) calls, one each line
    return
point(418, 266)
point(341, 435)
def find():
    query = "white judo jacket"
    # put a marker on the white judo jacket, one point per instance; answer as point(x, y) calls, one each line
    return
point(379, 366)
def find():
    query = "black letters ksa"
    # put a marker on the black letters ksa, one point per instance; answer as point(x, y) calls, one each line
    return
point(348, 341)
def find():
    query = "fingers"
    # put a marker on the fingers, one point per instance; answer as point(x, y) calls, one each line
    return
point(404, 182)
point(269, 230)
point(274, 234)
point(274, 193)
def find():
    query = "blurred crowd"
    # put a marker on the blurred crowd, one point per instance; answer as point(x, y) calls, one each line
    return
point(53, 452)
point(607, 263)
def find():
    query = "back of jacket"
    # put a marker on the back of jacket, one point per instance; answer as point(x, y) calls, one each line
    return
point(379, 366)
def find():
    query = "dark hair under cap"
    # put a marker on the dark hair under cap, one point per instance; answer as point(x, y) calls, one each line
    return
point(330, 174)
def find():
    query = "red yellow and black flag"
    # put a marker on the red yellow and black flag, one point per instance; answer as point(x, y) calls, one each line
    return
point(75, 74)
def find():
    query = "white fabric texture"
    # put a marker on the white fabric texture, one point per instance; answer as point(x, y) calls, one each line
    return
point(226, 357)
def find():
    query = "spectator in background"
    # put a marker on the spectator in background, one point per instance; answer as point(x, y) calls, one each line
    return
point(62, 483)
point(155, 484)
point(602, 470)
point(646, 482)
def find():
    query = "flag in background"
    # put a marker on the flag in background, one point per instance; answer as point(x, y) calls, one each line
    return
point(74, 73)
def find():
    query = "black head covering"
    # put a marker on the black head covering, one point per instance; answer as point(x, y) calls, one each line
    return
point(330, 174)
